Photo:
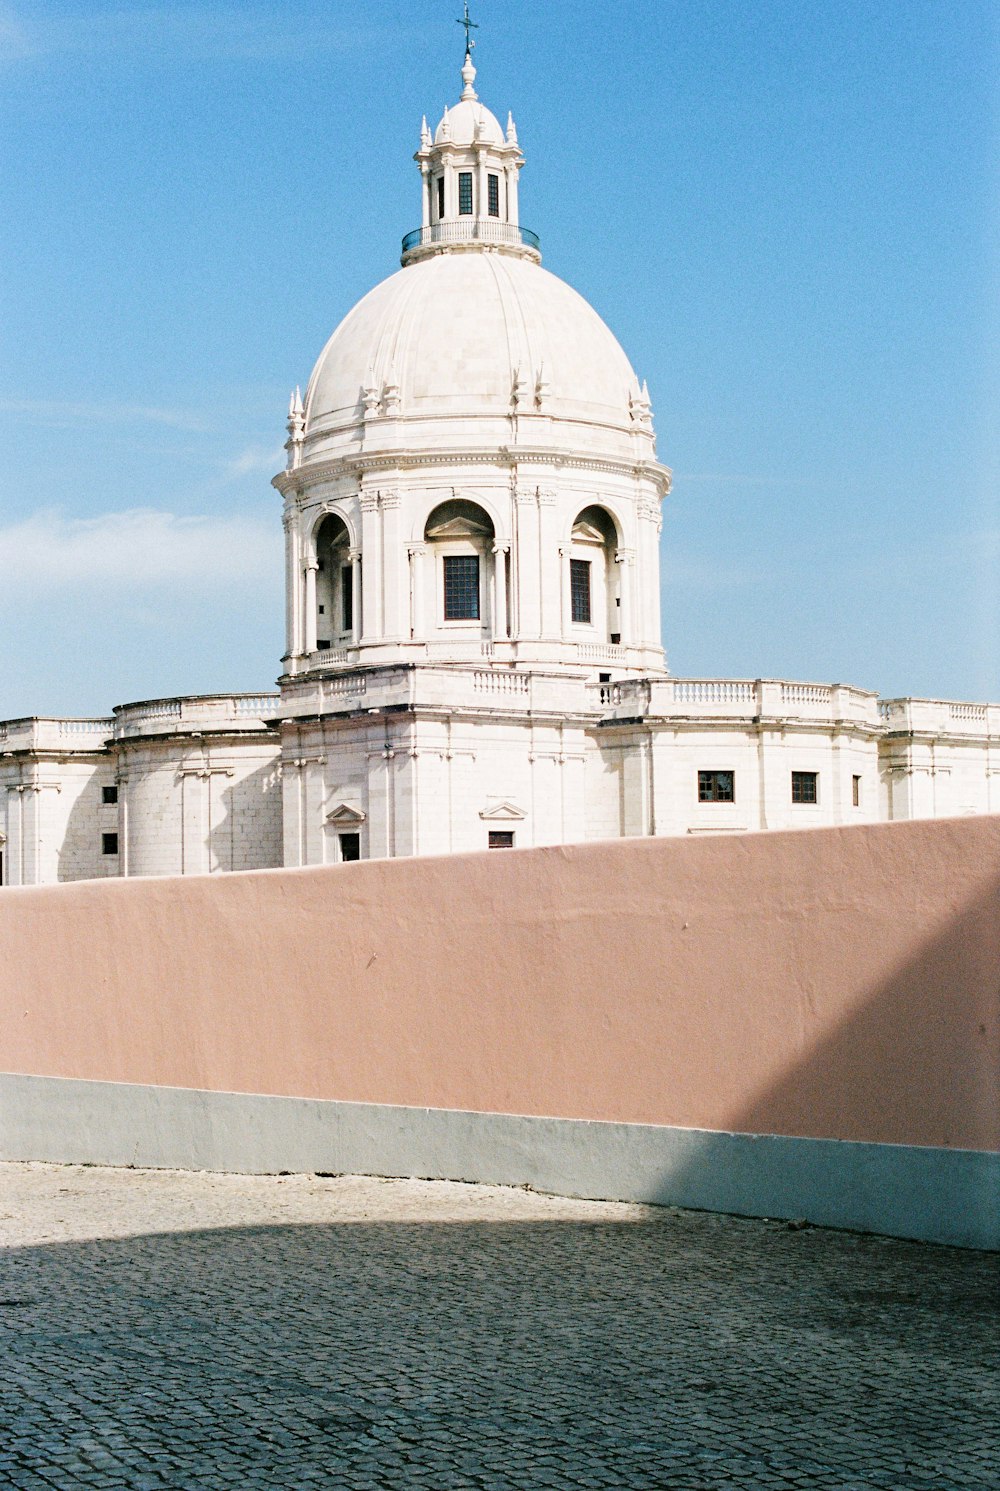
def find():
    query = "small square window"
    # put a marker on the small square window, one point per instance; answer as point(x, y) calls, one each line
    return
point(501, 838)
point(493, 189)
point(109, 843)
point(856, 791)
point(716, 786)
point(461, 587)
point(579, 590)
point(350, 848)
point(109, 795)
point(805, 786)
point(465, 193)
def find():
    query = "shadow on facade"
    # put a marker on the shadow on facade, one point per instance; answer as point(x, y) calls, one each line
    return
point(682, 1350)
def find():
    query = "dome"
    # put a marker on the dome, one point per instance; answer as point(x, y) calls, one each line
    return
point(453, 333)
point(469, 121)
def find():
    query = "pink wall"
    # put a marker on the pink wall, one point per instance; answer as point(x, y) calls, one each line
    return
point(838, 983)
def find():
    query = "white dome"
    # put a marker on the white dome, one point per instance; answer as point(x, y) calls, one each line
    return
point(468, 121)
point(454, 331)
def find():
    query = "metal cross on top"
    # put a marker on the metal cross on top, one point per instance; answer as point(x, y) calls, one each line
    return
point(469, 25)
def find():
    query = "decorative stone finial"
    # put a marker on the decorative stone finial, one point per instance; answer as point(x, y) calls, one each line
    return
point(391, 394)
point(640, 408)
point(296, 428)
point(541, 387)
point(468, 78)
point(425, 135)
point(371, 396)
point(444, 129)
point(511, 130)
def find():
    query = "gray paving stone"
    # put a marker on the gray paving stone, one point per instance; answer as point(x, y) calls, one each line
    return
point(206, 1333)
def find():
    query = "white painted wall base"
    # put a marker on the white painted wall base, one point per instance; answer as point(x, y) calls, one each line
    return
point(933, 1195)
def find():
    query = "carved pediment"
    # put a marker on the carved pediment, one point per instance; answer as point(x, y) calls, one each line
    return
point(345, 816)
point(502, 812)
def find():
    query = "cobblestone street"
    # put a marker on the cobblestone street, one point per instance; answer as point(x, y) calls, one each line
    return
point(198, 1331)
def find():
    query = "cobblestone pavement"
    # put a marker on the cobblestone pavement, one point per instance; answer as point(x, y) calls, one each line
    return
point(203, 1332)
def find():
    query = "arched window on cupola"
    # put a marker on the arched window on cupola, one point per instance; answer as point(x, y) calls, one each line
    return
point(594, 592)
point(460, 536)
point(336, 603)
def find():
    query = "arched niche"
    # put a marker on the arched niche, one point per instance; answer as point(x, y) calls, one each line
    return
point(459, 535)
point(336, 603)
point(594, 592)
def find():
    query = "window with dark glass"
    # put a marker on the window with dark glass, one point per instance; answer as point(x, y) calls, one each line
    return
point(856, 791)
point(805, 786)
point(109, 794)
point(465, 193)
point(440, 186)
point(461, 587)
point(716, 786)
point(350, 848)
point(346, 598)
point(493, 194)
point(501, 838)
point(109, 843)
point(579, 589)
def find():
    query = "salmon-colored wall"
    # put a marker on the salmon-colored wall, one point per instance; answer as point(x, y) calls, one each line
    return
point(838, 983)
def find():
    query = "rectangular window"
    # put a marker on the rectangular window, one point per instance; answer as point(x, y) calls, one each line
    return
point(716, 786)
point(493, 189)
point(109, 794)
point(805, 786)
point(856, 791)
point(440, 186)
point(501, 838)
point(350, 848)
point(347, 598)
point(461, 587)
point(465, 193)
point(109, 843)
point(579, 589)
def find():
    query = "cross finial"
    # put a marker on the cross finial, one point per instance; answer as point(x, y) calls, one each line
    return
point(469, 25)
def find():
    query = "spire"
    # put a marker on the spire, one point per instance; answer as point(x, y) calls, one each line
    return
point(468, 78)
point(296, 428)
point(511, 129)
point(425, 134)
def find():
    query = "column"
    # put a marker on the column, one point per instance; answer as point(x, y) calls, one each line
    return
point(291, 584)
point(418, 620)
point(482, 201)
point(526, 595)
point(311, 568)
point(393, 598)
point(565, 553)
point(512, 206)
point(500, 628)
point(623, 559)
point(354, 555)
point(426, 196)
point(371, 596)
point(549, 578)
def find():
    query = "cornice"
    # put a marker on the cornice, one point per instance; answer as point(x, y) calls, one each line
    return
point(358, 464)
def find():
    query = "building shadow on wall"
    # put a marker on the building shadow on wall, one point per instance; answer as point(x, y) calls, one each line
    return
point(910, 1077)
point(674, 1349)
point(248, 835)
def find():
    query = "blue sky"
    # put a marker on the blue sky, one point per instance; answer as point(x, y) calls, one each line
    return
point(788, 211)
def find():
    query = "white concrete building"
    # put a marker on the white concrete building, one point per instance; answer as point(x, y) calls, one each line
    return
point(473, 654)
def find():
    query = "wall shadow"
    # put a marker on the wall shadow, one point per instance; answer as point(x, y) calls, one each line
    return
point(680, 1350)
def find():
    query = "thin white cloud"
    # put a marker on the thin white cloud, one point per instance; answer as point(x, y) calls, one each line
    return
point(15, 45)
point(255, 460)
point(136, 549)
point(190, 32)
point(68, 412)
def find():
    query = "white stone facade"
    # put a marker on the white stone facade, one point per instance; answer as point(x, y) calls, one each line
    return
point(473, 652)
